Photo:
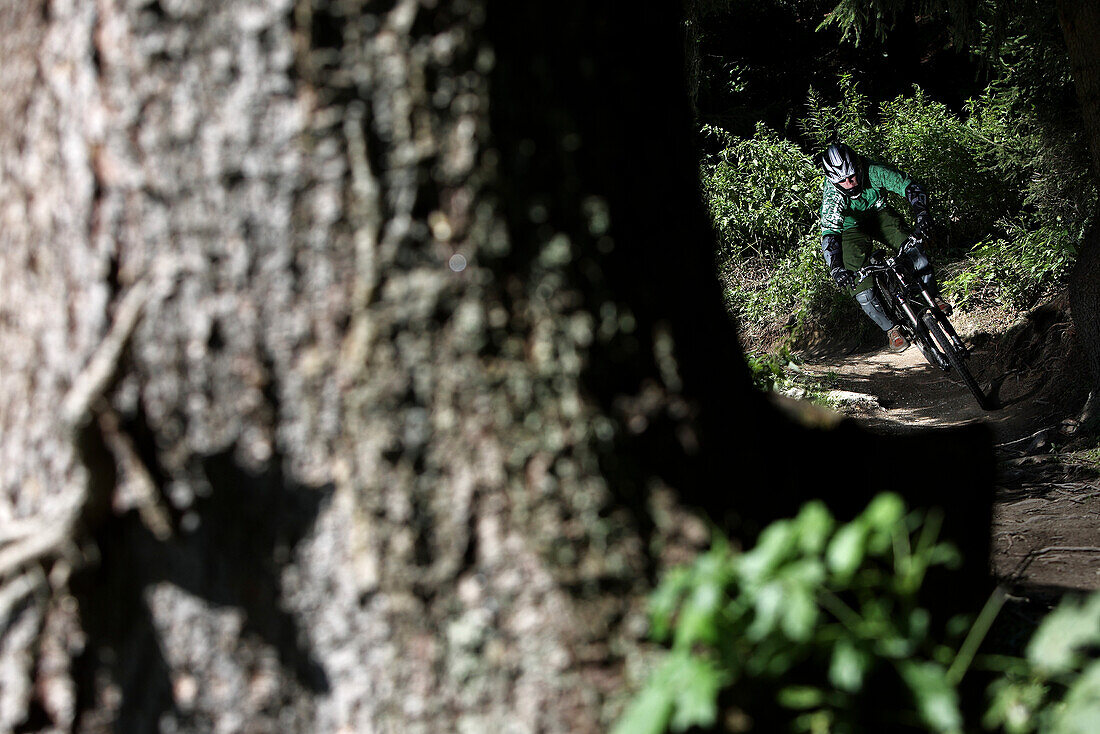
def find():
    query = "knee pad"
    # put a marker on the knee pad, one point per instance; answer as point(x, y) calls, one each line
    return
point(869, 302)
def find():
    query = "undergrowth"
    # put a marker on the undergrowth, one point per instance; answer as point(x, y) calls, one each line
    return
point(780, 371)
point(823, 622)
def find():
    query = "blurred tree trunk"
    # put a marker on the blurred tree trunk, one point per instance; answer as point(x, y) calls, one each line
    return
point(1080, 21)
point(361, 364)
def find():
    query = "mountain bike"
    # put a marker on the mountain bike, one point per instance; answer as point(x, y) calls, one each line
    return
point(909, 304)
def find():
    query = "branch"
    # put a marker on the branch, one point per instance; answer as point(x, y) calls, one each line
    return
point(95, 378)
point(15, 590)
point(33, 541)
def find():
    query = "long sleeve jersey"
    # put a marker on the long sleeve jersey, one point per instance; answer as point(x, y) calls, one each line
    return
point(839, 212)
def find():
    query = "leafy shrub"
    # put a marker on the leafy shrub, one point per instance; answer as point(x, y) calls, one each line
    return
point(792, 290)
point(1055, 688)
point(958, 167)
point(761, 192)
point(845, 120)
point(927, 141)
point(780, 371)
point(764, 195)
point(1015, 270)
point(819, 612)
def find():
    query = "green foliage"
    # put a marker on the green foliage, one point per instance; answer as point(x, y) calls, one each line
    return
point(760, 191)
point(1056, 688)
point(930, 143)
point(845, 119)
point(852, 17)
point(964, 17)
point(792, 288)
point(764, 195)
point(839, 600)
point(1014, 270)
point(780, 371)
point(804, 622)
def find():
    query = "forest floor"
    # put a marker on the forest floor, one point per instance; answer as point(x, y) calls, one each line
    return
point(1046, 520)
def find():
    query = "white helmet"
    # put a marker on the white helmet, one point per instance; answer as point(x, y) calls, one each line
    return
point(841, 162)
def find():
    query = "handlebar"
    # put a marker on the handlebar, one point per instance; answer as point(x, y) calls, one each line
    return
point(881, 262)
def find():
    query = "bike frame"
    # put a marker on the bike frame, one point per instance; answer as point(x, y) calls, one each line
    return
point(902, 291)
point(912, 307)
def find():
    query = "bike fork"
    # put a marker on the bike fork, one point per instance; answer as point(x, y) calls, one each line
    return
point(943, 322)
point(921, 333)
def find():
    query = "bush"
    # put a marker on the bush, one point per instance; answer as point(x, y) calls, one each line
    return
point(819, 614)
point(764, 196)
point(1016, 270)
point(761, 193)
point(792, 291)
point(930, 143)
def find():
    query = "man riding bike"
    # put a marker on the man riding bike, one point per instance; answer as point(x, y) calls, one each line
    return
point(855, 214)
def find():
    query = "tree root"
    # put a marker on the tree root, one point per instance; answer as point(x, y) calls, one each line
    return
point(29, 546)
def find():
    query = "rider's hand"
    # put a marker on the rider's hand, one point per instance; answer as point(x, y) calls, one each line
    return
point(923, 230)
point(843, 277)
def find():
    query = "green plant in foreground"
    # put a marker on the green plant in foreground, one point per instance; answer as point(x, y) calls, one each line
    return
point(817, 610)
point(1056, 661)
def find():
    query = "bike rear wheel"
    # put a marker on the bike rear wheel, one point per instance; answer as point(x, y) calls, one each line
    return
point(955, 359)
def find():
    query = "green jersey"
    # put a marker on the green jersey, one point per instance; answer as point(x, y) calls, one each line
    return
point(838, 212)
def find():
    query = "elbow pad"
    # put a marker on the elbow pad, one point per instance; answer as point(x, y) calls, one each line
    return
point(916, 197)
point(830, 245)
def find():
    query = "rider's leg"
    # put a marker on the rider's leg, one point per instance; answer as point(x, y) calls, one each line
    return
point(868, 300)
point(923, 268)
point(856, 246)
point(896, 233)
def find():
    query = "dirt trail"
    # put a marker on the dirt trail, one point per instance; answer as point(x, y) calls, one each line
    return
point(1046, 529)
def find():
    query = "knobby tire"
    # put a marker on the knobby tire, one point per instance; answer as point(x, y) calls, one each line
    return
point(955, 359)
point(924, 342)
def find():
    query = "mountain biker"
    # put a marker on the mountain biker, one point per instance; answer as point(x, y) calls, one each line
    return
point(855, 213)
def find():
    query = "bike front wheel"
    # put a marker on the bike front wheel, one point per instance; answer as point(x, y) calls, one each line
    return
point(955, 359)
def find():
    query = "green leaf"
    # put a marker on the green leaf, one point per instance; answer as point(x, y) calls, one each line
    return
point(799, 614)
point(699, 616)
point(680, 694)
point(809, 572)
point(697, 685)
point(773, 548)
point(937, 700)
point(768, 600)
point(814, 524)
point(649, 712)
point(847, 549)
point(885, 512)
point(1081, 711)
point(1014, 705)
point(848, 666)
point(665, 600)
point(800, 697)
point(1055, 646)
point(884, 518)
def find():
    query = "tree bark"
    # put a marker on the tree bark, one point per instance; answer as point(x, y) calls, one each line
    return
point(391, 364)
point(1080, 21)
